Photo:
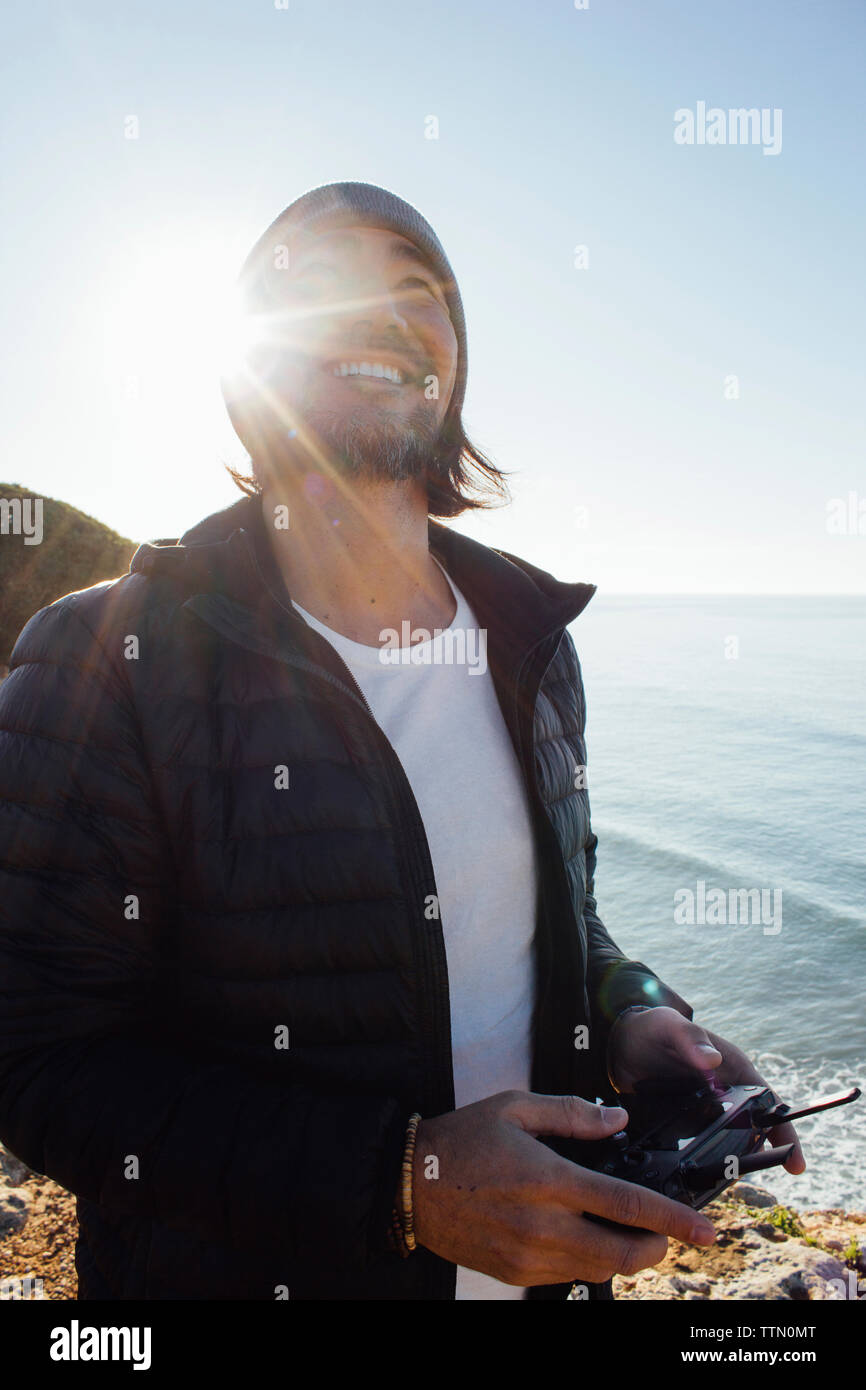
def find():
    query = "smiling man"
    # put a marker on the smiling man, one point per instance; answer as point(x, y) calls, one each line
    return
point(303, 974)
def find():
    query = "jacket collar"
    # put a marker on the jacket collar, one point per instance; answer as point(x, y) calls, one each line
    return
point(228, 553)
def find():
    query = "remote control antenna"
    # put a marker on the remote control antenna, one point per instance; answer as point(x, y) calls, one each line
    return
point(704, 1175)
point(765, 1158)
point(781, 1114)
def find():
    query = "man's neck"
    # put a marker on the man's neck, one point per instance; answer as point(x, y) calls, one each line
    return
point(359, 561)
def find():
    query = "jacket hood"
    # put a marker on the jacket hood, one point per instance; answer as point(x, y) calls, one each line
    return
point(229, 553)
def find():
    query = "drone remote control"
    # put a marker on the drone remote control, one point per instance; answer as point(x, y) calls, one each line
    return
point(690, 1141)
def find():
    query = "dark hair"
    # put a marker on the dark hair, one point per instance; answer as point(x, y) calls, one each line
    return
point(469, 480)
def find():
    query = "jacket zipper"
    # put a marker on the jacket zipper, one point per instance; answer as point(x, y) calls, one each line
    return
point(440, 1095)
point(435, 1007)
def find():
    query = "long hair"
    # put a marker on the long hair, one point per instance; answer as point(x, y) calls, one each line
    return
point(468, 480)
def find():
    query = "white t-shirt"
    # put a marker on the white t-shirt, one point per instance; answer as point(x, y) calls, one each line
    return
point(437, 706)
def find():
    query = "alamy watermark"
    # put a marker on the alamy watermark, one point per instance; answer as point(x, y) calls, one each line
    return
point(737, 126)
point(77, 1343)
point(846, 516)
point(22, 516)
point(737, 907)
point(452, 647)
point(850, 1287)
point(14, 1287)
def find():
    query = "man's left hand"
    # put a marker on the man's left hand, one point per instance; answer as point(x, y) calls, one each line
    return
point(660, 1042)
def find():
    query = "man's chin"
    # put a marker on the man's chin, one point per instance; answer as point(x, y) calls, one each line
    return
point(383, 446)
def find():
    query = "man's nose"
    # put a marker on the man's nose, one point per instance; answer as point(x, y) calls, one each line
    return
point(373, 306)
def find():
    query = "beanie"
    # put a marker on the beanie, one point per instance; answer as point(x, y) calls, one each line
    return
point(335, 205)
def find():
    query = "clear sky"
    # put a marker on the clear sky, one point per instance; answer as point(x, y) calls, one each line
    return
point(605, 387)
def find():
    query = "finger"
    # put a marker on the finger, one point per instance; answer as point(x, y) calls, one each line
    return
point(736, 1069)
point(694, 1046)
point(782, 1134)
point(572, 1117)
point(581, 1248)
point(786, 1134)
point(565, 1256)
point(629, 1205)
point(618, 1250)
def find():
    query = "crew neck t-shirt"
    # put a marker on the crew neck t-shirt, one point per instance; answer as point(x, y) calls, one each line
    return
point(436, 703)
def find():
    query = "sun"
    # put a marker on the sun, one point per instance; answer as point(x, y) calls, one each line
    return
point(172, 318)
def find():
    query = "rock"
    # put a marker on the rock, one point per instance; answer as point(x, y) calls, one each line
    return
point(691, 1285)
point(12, 1170)
point(797, 1272)
point(752, 1260)
point(770, 1232)
point(14, 1209)
point(751, 1196)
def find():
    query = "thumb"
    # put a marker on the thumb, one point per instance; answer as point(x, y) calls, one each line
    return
point(693, 1046)
point(571, 1117)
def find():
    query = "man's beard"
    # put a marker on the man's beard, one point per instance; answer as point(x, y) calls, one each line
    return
point(377, 445)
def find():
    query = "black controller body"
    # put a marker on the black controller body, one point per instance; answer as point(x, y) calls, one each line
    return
point(688, 1143)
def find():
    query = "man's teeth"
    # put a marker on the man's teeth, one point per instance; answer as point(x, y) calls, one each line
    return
point(370, 369)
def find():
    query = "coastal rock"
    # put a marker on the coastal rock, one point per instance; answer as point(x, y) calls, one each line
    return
point(692, 1286)
point(37, 1261)
point(760, 1255)
point(14, 1209)
point(12, 1171)
point(798, 1273)
point(750, 1195)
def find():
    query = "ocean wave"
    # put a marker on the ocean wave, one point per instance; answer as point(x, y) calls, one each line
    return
point(833, 1142)
point(672, 859)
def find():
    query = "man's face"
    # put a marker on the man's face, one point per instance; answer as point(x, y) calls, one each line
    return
point(360, 353)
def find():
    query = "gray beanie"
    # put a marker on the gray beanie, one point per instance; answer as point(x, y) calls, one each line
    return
point(358, 204)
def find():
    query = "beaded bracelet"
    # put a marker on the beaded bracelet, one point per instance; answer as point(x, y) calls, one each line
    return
point(401, 1233)
point(396, 1240)
point(407, 1213)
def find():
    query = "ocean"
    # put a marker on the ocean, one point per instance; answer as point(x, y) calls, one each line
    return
point(726, 747)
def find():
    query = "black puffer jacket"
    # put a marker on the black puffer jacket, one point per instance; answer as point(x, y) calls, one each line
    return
point(166, 913)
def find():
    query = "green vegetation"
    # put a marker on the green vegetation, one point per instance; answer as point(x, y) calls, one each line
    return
point(785, 1220)
point(75, 551)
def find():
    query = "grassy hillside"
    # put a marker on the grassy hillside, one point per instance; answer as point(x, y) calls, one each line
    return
point(75, 552)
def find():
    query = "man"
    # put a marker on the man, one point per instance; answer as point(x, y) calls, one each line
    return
point(268, 896)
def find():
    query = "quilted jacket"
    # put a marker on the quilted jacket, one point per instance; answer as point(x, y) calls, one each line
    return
point(221, 999)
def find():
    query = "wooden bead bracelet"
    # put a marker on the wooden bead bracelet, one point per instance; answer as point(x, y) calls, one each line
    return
point(401, 1236)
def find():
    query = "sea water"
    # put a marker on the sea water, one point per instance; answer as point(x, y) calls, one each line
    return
point(726, 747)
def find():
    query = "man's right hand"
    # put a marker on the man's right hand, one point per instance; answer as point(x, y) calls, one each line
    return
point(510, 1207)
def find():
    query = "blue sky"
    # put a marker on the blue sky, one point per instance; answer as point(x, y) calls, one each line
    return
point(602, 388)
